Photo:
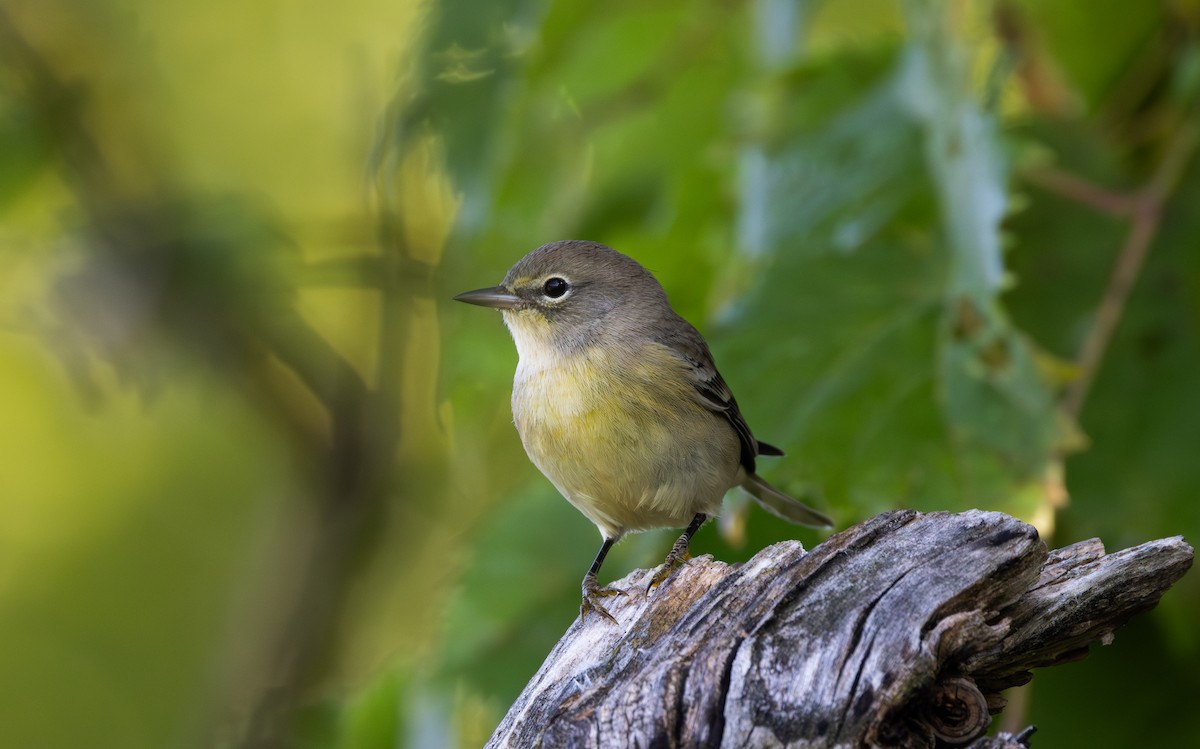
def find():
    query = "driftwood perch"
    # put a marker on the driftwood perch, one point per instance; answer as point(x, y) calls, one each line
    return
point(899, 632)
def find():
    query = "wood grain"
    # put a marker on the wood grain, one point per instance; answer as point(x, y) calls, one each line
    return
point(898, 631)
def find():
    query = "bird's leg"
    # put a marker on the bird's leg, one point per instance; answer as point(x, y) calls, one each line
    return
point(678, 554)
point(592, 590)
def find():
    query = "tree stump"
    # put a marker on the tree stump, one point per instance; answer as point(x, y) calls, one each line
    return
point(899, 632)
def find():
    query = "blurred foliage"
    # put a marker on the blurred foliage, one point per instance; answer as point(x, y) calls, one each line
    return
point(260, 484)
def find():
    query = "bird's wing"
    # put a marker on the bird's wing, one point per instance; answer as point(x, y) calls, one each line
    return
point(711, 391)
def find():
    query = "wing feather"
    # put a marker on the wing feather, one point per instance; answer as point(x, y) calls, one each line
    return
point(711, 391)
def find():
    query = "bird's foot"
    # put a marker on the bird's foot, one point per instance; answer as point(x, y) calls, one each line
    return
point(592, 592)
point(675, 559)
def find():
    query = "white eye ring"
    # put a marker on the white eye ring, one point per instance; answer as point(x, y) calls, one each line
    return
point(556, 287)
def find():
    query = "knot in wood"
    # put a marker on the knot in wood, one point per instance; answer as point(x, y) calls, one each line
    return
point(883, 635)
point(957, 711)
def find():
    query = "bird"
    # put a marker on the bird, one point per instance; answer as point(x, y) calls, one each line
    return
point(618, 402)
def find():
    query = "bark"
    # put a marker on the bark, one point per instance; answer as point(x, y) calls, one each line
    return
point(899, 632)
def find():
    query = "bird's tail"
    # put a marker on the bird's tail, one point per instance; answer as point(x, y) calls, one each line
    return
point(782, 506)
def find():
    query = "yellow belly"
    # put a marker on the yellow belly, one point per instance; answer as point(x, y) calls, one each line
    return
point(629, 445)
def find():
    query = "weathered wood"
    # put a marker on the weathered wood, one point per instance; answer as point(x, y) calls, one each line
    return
point(891, 633)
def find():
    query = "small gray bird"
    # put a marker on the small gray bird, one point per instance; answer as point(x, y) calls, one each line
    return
point(619, 404)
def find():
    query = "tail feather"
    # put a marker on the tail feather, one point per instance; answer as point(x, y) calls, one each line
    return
point(782, 506)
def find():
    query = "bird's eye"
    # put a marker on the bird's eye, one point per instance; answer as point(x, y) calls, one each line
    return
point(555, 287)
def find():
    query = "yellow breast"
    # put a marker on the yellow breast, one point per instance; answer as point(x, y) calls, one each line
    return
point(622, 435)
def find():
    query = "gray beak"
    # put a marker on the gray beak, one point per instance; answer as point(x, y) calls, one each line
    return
point(497, 297)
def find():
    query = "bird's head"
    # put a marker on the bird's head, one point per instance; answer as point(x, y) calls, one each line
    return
point(567, 295)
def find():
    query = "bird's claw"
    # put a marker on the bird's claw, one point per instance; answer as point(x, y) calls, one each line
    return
point(674, 561)
point(591, 592)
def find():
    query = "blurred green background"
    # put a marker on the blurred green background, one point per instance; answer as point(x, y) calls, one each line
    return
point(258, 480)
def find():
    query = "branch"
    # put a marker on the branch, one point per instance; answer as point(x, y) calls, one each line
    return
point(1082, 191)
point(1144, 208)
point(900, 631)
point(1147, 216)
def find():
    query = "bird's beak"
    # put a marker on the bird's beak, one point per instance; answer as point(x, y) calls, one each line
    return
point(497, 297)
